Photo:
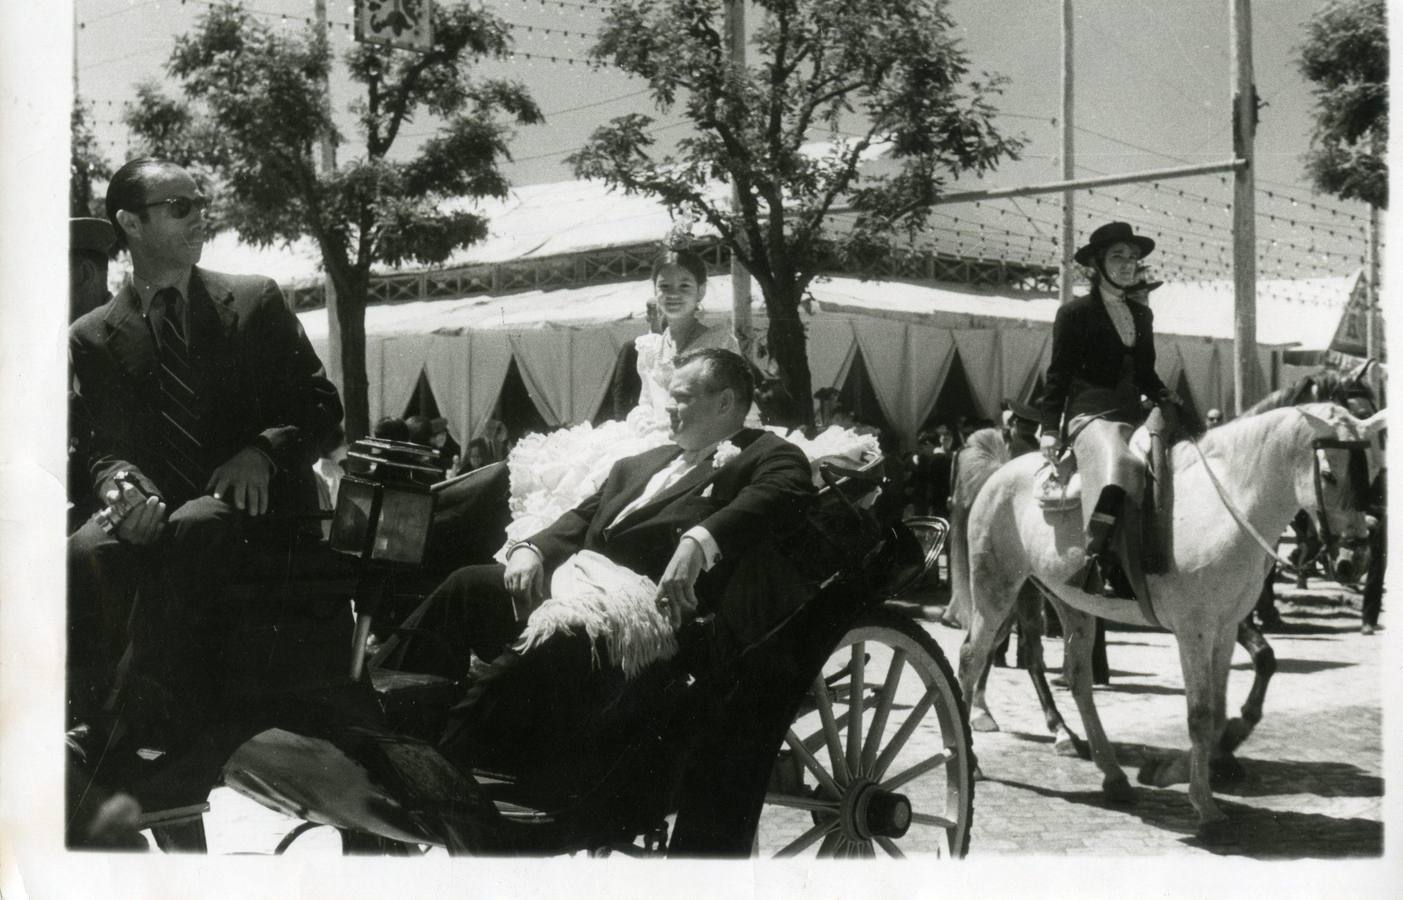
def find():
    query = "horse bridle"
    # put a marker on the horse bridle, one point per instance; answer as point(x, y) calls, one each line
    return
point(1357, 470)
point(1357, 473)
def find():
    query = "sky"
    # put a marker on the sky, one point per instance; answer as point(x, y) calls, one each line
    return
point(1152, 91)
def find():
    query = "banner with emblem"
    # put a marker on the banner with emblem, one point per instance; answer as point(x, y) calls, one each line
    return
point(405, 24)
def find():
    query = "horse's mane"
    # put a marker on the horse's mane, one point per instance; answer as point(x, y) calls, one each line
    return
point(1325, 386)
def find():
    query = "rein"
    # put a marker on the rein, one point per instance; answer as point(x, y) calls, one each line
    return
point(1327, 539)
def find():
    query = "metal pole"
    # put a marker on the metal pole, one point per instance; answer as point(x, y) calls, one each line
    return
point(1064, 286)
point(740, 276)
point(328, 147)
point(1057, 187)
point(1245, 386)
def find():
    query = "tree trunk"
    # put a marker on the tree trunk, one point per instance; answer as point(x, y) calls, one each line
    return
point(346, 344)
point(789, 349)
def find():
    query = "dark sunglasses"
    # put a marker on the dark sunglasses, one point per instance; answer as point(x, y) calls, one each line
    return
point(180, 207)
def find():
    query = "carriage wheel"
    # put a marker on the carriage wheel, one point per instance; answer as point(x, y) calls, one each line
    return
point(878, 759)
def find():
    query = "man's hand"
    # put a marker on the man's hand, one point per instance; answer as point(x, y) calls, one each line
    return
point(525, 580)
point(146, 517)
point(243, 481)
point(677, 598)
point(1048, 445)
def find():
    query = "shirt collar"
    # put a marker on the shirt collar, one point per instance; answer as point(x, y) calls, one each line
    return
point(146, 290)
point(705, 452)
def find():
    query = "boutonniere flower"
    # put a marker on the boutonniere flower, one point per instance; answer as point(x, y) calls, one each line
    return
point(725, 452)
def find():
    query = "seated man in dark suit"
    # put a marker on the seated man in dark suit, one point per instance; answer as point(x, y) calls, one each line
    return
point(203, 404)
point(695, 517)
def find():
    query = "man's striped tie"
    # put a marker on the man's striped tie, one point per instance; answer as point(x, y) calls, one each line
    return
point(180, 432)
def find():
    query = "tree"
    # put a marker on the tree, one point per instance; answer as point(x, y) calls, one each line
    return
point(255, 111)
point(86, 164)
point(890, 69)
point(1346, 57)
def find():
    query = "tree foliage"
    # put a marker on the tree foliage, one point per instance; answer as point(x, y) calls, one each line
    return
point(255, 110)
point(1346, 57)
point(830, 84)
point(86, 164)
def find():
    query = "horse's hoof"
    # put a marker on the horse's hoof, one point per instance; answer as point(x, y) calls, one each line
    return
point(980, 720)
point(1219, 832)
point(1149, 772)
point(1118, 790)
point(1070, 746)
point(1225, 770)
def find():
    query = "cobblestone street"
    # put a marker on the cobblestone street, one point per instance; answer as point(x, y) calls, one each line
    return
point(1314, 785)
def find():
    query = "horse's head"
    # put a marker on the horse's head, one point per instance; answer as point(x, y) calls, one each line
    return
point(1345, 459)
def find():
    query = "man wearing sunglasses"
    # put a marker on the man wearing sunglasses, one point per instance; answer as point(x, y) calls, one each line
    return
point(204, 404)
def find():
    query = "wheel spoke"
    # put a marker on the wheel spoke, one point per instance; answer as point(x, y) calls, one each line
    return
point(829, 847)
point(856, 689)
point(805, 840)
point(908, 728)
point(795, 802)
point(884, 704)
point(830, 731)
point(808, 760)
point(890, 846)
point(928, 819)
point(916, 771)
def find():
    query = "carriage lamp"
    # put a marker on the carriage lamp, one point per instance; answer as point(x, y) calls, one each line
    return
point(385, 504)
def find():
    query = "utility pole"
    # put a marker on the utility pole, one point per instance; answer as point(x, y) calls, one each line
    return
point(328, 146)
point(1245, 367)
point(1064, 282)
point(740, 276)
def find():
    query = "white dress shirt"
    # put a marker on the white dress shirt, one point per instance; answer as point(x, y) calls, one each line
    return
point(663, 479)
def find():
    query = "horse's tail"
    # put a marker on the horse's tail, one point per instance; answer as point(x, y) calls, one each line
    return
point(981, 457)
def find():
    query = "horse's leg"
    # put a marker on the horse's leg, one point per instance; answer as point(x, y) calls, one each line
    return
point(1079, 630)
point(992, 594)
point(980, 719)
point(1205, 658)
point(1030, 631)
point(1226, 768)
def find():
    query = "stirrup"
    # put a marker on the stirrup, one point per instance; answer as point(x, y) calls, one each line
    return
point(1103, 576)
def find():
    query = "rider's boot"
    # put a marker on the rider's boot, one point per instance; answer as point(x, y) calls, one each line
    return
point(1102, 573)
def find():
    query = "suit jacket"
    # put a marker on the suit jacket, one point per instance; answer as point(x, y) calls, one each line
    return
point(258, 383)
point(754, 497)
point(1086, 345)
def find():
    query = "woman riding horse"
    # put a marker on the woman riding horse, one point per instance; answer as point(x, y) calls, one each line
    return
point(1103, 360)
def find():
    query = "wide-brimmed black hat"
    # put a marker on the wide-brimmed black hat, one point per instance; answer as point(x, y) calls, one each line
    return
point(1024, 411)
point(1113, 233)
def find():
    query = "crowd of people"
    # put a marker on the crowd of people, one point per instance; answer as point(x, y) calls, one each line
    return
point(201, 417)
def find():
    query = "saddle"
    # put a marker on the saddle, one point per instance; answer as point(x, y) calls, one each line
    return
point(1142, 541)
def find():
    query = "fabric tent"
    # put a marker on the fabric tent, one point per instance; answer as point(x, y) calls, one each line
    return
point(565, 343)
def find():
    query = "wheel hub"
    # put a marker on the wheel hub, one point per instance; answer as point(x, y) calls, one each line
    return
point(868, 811)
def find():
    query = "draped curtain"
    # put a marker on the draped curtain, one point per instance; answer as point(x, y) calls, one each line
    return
point(566, 371)
point(1022, 353)
point(401, 360)
point(467, 372)
point(980, 358)
point(907, 365)
point(1200, 367)
point(831, 352)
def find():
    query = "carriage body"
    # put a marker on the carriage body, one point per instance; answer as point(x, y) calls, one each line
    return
point(801, 692)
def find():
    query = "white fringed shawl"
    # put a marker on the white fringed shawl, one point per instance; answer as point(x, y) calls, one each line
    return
point(609, 602)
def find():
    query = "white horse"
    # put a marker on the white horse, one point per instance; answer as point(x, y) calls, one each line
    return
point(1268, 466)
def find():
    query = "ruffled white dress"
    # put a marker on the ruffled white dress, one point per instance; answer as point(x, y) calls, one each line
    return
point(552, 473)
